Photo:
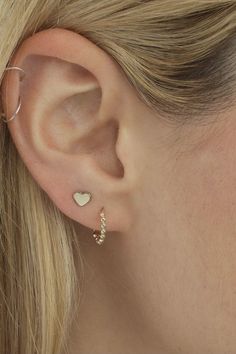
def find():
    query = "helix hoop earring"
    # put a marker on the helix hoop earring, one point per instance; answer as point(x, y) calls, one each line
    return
point(100, 237)
point(19, 101)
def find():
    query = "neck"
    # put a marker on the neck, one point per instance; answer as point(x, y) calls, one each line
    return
point(110, 318)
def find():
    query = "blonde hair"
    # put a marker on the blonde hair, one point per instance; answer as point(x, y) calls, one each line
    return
point(180, 57)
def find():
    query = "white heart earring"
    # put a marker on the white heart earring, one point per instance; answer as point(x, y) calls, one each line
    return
point(83, 198)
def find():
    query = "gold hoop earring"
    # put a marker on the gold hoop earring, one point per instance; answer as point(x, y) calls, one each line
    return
point(100, 237)
point(14, 115)
point(19, 101)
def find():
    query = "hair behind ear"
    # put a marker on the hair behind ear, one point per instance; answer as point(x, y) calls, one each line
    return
point(38, 278)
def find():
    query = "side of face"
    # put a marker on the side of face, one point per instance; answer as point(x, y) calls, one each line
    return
point(169, 192)
point(185, 234)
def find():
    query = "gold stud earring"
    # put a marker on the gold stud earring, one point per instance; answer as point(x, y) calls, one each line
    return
point(82, 198)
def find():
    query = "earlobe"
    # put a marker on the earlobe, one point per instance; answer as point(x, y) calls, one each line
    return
point(66, 130)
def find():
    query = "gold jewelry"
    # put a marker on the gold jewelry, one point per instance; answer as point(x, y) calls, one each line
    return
point(19, 101)
point(100, 237)
point(82, 198)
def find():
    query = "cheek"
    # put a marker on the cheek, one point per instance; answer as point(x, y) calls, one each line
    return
point(208, 185)
point(205, 191)
point(188, 244)
point(201, 205)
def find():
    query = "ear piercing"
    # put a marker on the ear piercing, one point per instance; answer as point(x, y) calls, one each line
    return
point(82, 198)
point(100, 237)
point(19, 101)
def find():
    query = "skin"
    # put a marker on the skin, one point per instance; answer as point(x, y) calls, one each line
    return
point(164, 280)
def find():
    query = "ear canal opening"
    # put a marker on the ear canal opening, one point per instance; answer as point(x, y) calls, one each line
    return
point(103, 143)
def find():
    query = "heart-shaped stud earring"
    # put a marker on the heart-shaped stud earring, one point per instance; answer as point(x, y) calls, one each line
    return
point(82, 198)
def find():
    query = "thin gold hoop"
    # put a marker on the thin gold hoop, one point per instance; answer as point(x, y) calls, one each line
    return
point(16, 68)
point(19, 101)
point(100, 237)
point(14, 115)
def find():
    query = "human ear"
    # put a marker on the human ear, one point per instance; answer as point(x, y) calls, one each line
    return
point(70, 130)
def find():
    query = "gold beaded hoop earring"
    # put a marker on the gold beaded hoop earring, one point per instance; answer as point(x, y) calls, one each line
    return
point(100, 237)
